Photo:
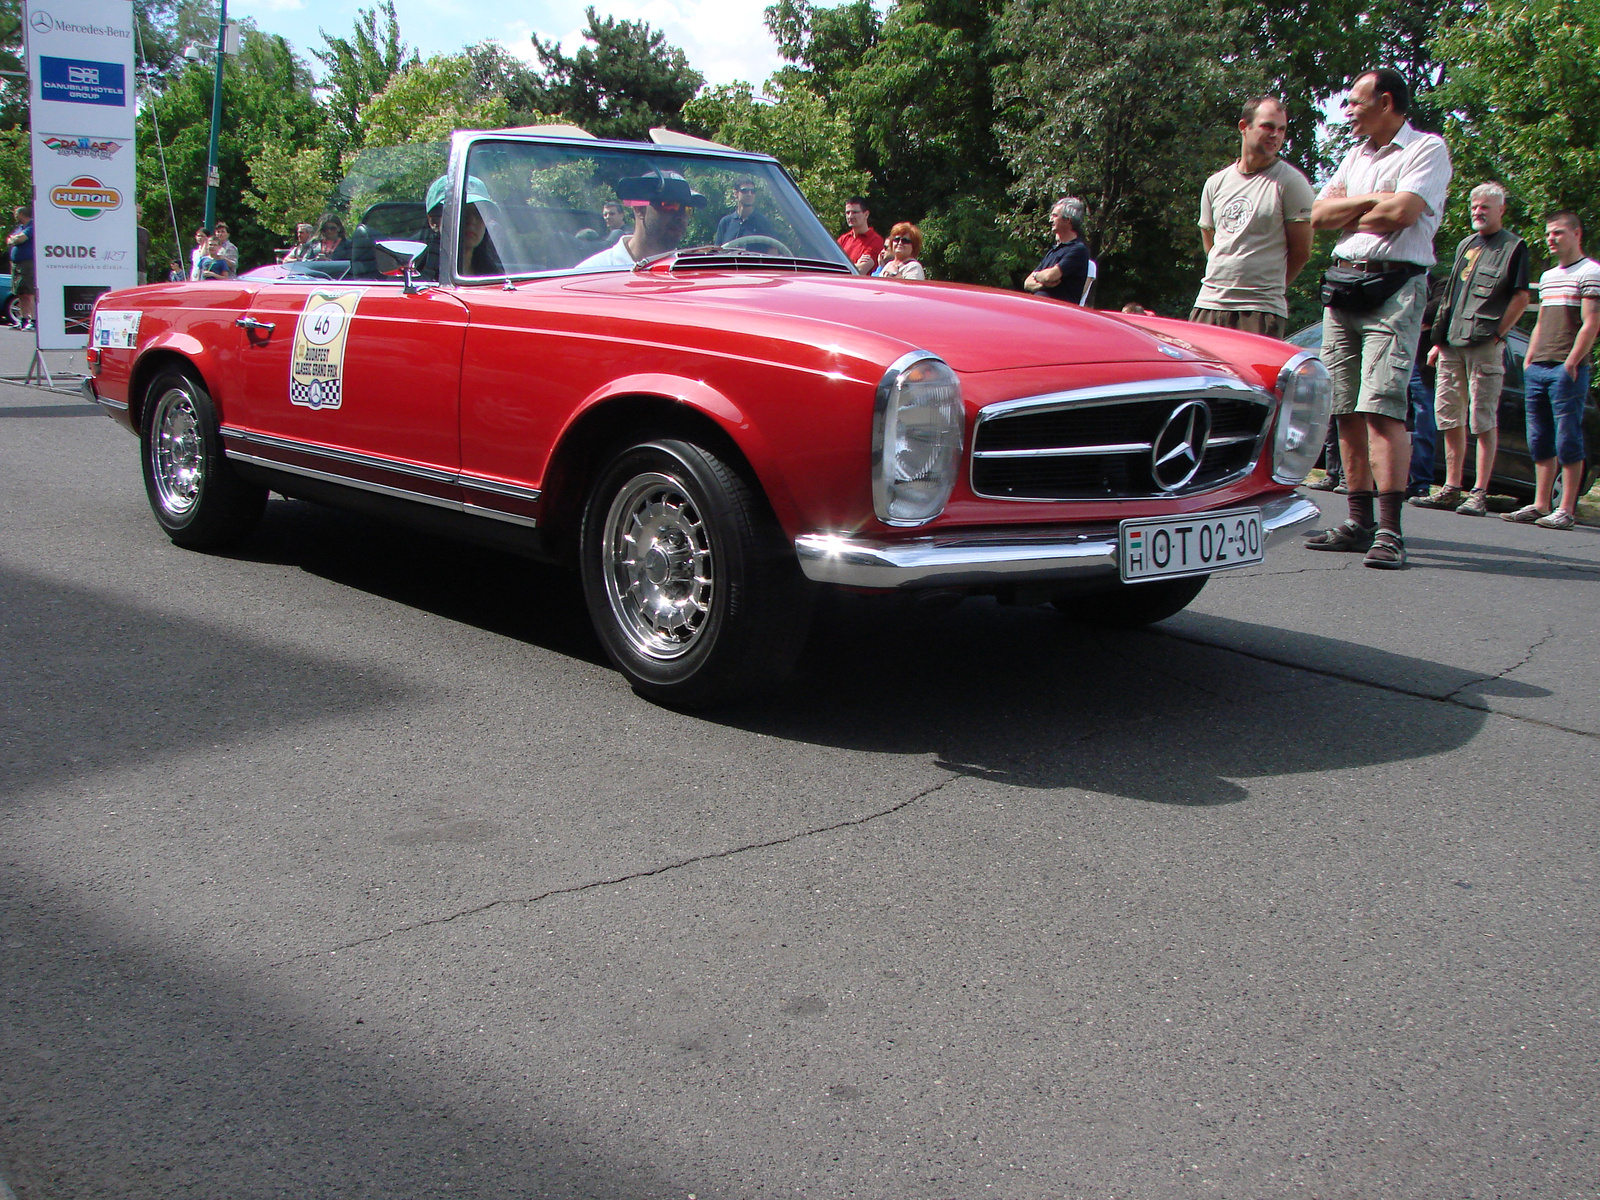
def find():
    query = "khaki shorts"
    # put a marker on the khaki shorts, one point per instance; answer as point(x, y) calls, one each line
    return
point(1246, 320)
point(1477, 372)
point(1369, 355)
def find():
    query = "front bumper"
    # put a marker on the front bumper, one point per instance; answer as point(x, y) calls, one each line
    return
point(966, 559)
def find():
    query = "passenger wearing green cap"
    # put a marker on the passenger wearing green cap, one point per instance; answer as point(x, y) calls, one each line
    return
point(475, 254)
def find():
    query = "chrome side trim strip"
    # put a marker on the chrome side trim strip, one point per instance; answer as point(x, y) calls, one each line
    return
point(989, 557)
point(373, 462)
point(495, 514)
point(432, 474)
point(480, 484)
point(1070, 451)
point(329, 477)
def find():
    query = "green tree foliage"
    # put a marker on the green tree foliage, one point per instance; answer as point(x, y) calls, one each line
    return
point(426, 101)
point(359, 67)
point(625, 81)
point(1524, 98)
point(796, 128)
point(824, 45)
point(265, 103)
point(288, 186)
point(1121, 105)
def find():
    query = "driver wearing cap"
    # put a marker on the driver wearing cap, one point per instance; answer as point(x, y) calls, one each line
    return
point(661, 202)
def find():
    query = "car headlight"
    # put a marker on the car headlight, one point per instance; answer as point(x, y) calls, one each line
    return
point(916, 439)
point(1306, 401)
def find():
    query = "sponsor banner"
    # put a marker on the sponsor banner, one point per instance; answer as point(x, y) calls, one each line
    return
point(80, 67)
point(98, 149)
point(316, 364)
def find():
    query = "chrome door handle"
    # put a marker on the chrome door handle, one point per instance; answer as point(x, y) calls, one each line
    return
point(252, 324)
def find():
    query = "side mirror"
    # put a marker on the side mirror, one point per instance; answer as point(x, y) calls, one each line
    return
point(396, 256)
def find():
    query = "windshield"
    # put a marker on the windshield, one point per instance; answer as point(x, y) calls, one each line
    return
point(553, 207)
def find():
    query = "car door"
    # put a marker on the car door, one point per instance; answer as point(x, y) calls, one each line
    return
point(356, 383)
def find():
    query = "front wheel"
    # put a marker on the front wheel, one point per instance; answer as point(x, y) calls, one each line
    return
point(687, 578)
point(195, 494)
point(1132, 605)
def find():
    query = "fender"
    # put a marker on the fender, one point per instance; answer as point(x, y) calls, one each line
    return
point(716, 406)
point(187, 346)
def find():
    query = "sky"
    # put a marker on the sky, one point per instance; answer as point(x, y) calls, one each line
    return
point(725, 40)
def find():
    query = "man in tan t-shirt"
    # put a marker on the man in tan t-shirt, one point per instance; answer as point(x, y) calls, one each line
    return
point(1255, 221)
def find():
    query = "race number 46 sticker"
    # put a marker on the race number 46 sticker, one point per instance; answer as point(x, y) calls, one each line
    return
point(316, 367)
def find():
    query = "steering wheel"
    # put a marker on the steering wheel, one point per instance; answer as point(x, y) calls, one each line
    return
point(759, 243)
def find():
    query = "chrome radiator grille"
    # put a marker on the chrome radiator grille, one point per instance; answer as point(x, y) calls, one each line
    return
point(1154, 438)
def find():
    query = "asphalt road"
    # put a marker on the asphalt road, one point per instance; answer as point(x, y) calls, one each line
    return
point(344, 867)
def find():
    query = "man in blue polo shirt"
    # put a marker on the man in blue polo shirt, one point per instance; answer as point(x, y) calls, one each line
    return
point(1064, 270)
point(745, 220)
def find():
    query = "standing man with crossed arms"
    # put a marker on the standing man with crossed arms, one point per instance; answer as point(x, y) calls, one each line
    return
point(1385, 201)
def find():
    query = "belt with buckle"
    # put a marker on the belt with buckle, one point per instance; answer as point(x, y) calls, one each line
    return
point(1372, 266)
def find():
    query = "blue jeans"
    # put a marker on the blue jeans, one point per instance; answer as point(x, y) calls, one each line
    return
point(1424, 434)
point(1554, 407)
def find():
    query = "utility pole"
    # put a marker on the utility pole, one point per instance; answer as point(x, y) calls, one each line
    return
point(212, 175)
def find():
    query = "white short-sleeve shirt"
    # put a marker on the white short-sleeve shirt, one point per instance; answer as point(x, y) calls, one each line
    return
point(1413, 162)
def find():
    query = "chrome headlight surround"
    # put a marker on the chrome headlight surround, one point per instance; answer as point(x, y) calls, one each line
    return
point(1305, 402)
point(918, 423)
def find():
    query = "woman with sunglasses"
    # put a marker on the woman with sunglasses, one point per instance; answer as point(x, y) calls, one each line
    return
point(899, 257)
point(332, 244)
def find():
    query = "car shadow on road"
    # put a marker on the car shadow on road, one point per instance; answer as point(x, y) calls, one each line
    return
point(1017, 695)
point(1023, 697)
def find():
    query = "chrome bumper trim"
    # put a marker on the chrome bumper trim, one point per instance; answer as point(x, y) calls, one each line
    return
point(86, 386)
point(1006, 556)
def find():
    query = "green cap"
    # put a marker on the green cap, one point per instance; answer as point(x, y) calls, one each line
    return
point(476, 192)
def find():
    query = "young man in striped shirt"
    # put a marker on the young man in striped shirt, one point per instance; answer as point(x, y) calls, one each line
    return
point(1556, 378)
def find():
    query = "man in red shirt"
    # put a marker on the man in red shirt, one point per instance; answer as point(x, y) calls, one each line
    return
point(861, 243)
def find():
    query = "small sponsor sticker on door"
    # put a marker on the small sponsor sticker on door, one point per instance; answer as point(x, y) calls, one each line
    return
point(116, 329)
point(316, 366)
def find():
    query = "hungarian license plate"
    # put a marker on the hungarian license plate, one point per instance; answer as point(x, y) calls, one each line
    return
point(1194, 544)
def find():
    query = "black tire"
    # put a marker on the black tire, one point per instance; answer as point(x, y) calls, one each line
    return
point(1132, 605)
point(195, 494)
point(717, 607)
point(11, 313)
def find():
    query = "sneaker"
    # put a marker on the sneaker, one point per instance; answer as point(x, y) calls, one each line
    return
point(1324, 483)
point(1560, 519)
point(1475, 505)
point(1448, 496)
point(1526, 515)
point(1349, 537)
point(1388, 551)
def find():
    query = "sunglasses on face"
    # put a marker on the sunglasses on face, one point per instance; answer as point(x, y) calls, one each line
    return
point(746, 191)
point(667, 206)
point(896, 241)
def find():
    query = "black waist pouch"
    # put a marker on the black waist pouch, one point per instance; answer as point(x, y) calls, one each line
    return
point(1363, 291)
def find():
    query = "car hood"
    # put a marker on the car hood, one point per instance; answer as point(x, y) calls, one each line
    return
point(971, 328)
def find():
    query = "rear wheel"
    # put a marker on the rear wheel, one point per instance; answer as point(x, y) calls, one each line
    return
point(10, 313)
point(195, 494)
point(687, 579)
point(1132, 605)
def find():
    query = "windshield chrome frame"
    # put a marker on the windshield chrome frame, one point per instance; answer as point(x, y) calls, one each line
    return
point(463, 141)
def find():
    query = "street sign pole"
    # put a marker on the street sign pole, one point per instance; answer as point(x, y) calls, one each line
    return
point(212, 175)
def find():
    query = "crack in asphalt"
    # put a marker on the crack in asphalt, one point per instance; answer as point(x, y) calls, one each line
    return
point(1394, 688)
point(573, 889)
point(1526, 658)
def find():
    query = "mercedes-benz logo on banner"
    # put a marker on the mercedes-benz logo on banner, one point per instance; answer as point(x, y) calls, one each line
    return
point(1181, 445)
point(41, 21)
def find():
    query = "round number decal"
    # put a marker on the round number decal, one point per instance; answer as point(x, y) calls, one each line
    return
point(323, 323)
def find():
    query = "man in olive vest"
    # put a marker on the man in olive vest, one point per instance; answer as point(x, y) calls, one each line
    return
point(1485, 294)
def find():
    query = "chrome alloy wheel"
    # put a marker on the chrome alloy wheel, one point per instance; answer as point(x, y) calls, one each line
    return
point(176, 453)
point(659, 570)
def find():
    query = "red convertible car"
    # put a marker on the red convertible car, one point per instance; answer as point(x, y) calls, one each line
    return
point(707, 412)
